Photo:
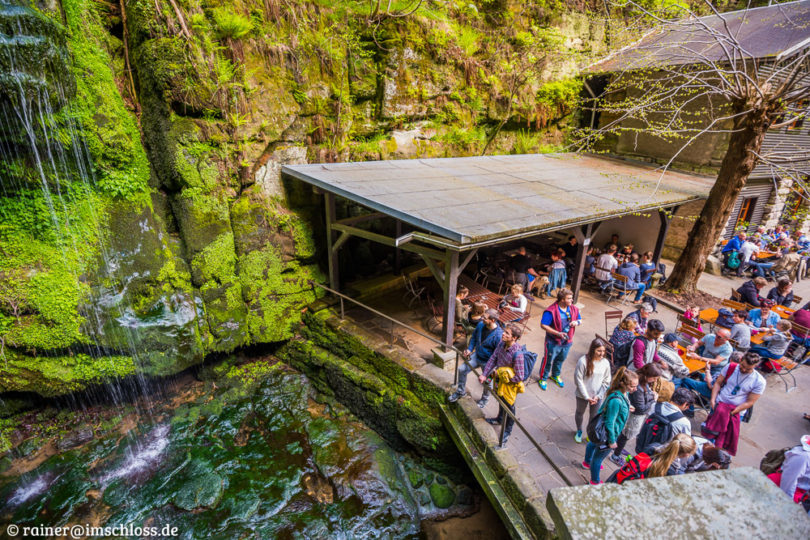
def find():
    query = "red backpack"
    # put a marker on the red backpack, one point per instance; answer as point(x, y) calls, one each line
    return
point(635, 468)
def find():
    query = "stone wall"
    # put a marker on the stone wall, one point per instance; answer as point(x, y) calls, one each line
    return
point(679, 228)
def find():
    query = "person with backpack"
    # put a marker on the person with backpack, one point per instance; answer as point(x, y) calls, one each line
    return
point(559, 321)
point(666, 421)
point(641, 401)
point(484, 341)
point(731, 252)
point(736, 389)
point(621, 339)
point(643, 465)
point(607, 425)
point(644, 349)
point(507, 354)
point(592, 379)
point(793, 476)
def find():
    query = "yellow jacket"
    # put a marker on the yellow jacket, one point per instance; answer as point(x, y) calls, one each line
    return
point(507, 389)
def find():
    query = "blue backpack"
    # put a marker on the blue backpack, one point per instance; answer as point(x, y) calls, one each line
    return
point(529, 359)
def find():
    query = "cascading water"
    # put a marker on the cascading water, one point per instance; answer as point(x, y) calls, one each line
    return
point(47, 183)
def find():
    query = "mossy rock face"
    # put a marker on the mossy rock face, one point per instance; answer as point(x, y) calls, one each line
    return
point(442, 495)
point(197, 486)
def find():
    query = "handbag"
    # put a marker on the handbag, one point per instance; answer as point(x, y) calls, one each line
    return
point(597, 432)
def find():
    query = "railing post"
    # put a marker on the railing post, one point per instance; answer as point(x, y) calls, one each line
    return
point(455, 374)
point(391, 340)
point(504, 416)
point(342, 312)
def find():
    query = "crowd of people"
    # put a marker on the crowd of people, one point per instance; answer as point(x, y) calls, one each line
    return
point(768, 255)
point(636, 387)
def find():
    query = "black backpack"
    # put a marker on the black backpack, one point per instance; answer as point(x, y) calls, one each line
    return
point(657, 429)
point(529, 359)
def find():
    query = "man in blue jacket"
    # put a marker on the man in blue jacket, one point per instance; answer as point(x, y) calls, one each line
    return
point(733, 245)
point(483, 342)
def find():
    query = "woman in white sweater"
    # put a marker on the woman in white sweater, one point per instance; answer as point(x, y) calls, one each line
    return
point(592, 378)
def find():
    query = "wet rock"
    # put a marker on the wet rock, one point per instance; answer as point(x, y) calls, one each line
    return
point(442, 496)
point(199, 487)
point(465, 496)
point(416, 478)
point(74, 439)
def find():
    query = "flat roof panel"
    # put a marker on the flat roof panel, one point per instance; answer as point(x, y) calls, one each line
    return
point(475, 199)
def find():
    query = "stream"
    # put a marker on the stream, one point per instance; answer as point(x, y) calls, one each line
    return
point(251, 451)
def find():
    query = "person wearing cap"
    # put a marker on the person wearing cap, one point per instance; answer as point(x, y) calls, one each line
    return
point(668, 352)
point(641, 315)
point(794, 475)
point(763, 318)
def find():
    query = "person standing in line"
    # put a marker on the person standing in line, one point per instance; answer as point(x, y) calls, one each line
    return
point(592, 379)
point(642, 401)
point(484, 340)
point(615, 409)
point(559, 321)
point(507, 354)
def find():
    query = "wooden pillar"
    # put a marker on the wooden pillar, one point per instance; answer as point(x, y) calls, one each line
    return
point(334, 273)
point(664, 216)
point(451, 272)
point(584, 236)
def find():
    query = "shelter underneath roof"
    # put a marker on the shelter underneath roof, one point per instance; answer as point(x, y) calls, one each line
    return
point(476, 201)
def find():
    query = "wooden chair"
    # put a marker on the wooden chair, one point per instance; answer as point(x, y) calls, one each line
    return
point(684, 321)
point(732, 305)
point(612, 319)
point(797, 300)
point(412, 291)
point(524, 322)
point(736, 296)
point(788, 365)
point(619, 287)
point(690, 331)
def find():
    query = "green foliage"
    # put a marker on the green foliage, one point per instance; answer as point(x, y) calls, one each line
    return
point(525, 142)
point(229, 24)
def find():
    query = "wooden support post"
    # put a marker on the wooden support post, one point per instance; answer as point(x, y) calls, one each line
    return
point(584, 236)
point(664, 216)
point(334, 274)
point(450, 285)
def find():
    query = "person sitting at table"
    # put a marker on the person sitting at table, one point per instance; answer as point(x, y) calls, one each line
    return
point(800, 317)
point(763, 317)
point(590, 261)
point(787, 263)
point(641, 316)
point(749, 291)
point(782, 293)
point(605, 264)
point(515, 300)
point(714, 349)
point(747, 254)
point(732, 246)
point(462, 310)
point(668, 352)
point(628, 251)
point(614, 242)
point(476, 313)
point(621, 339)
point(703, 381)
point(693, 314)
point(647, 267)
point(775, 344)
point(557, 276)
point(740, 331)
point(521, 268)
point(632, 272)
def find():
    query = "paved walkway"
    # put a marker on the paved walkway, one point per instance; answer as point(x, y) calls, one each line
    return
point(549, 415)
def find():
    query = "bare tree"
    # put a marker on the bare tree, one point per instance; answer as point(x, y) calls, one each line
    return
point(693, 80)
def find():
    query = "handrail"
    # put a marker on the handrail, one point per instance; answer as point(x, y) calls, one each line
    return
point(459, 354)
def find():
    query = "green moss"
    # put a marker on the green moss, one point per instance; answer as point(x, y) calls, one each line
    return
point(57, 375)
point(109, 129)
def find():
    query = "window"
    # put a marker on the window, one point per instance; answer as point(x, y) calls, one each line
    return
point(746, 212)
point(801, 108)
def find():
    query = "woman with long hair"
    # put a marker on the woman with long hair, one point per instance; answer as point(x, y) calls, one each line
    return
point(592, 379)
point(615, 410)
point(642, 401)
point(680, 447)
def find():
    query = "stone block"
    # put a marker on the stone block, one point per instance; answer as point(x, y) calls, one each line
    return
point(714, 265)
point(537, 517)
point(737, 503)
point(440, 377)
point(444, 359)
point(500, 461)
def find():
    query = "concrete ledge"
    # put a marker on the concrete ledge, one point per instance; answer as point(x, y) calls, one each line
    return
point(733, 504)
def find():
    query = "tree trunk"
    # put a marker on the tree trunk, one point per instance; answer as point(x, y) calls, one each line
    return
point(740, 159)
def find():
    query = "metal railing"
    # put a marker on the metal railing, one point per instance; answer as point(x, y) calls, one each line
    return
point(459, 358)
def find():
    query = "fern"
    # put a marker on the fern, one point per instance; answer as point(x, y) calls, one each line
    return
point(231, 25)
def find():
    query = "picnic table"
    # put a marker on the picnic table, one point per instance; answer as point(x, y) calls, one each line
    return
point(782, 311)
point(490, 299)
point(691, 363)
point(764, 254)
